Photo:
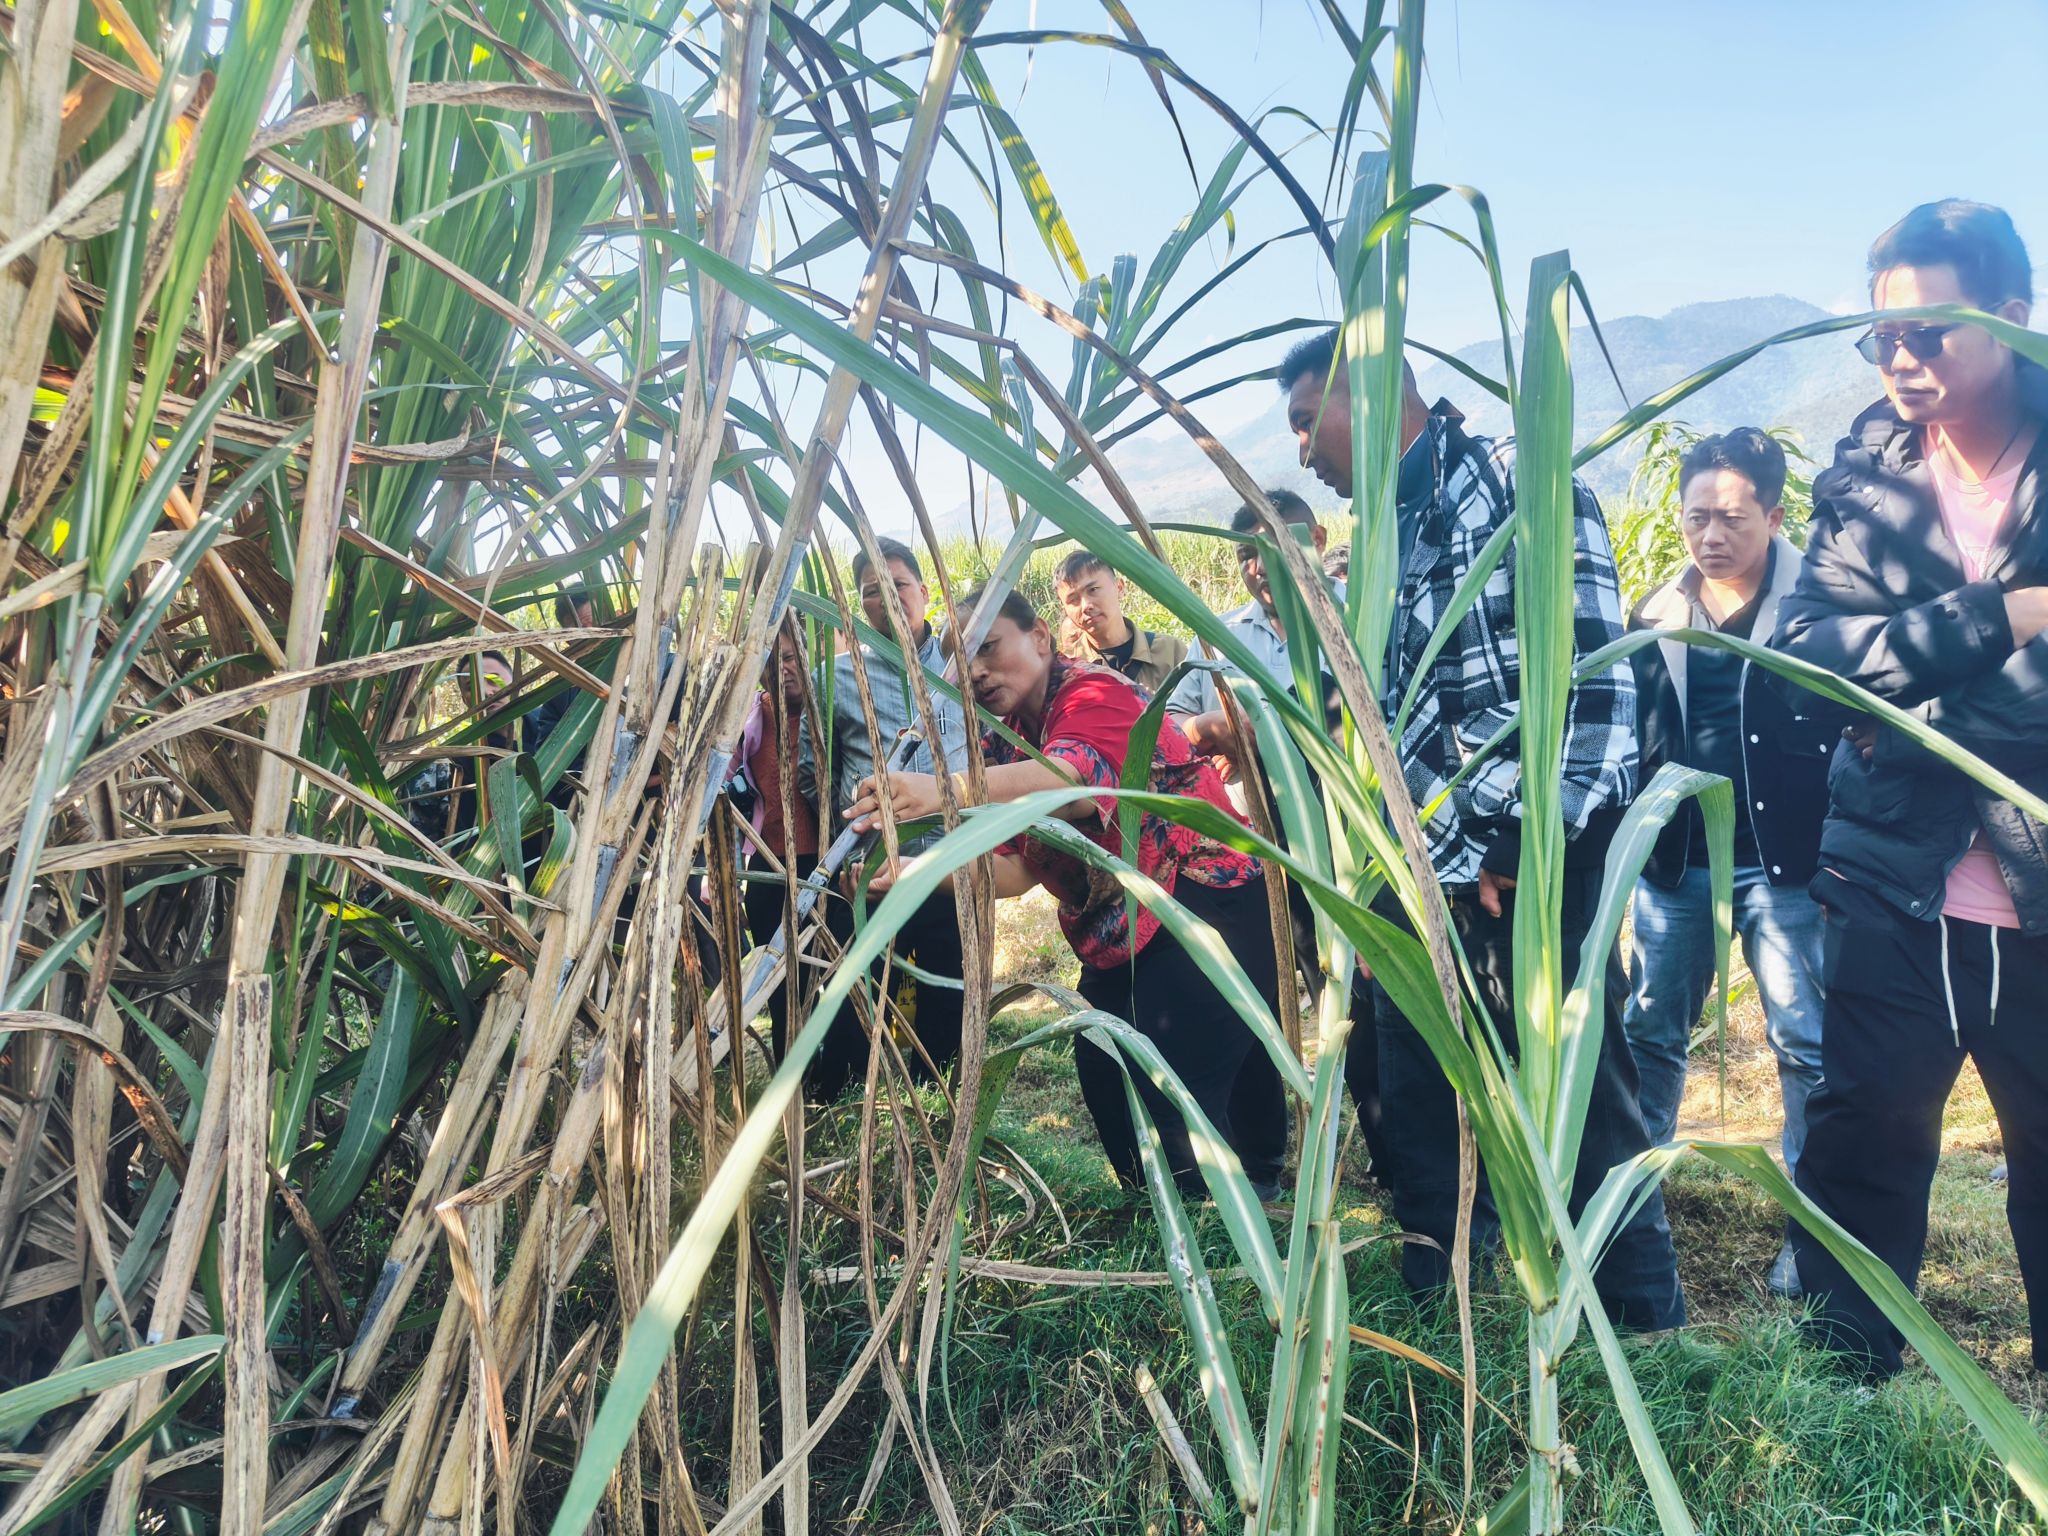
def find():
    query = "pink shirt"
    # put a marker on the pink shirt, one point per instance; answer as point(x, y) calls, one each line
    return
point(1977, 891)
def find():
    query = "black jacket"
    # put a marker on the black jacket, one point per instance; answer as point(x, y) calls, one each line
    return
point(1786, 738)
point(1884, 602)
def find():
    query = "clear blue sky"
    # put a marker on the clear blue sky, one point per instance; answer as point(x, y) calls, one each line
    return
point(1682, 151)
point(1703, 150)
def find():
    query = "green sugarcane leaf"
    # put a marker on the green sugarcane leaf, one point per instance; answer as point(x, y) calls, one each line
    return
point(2032, 345)
point(83, 1485)
point(2007, 1430)
point(373, 1106)
point(501, 794)
point(1583, 1020)
point(1030, 177)
point(303, 1513)
point(1215, 203)
point(1912, 724)
point(1328, 1346)
point(1211, 1339)
point(297, 1096)
point(1286, 1405)
point(183, 1067)
point(1544, 613)
point(368, 29)
point(555, 858)
point(248, 65)
point(1510, 1513)
point(22, 1407)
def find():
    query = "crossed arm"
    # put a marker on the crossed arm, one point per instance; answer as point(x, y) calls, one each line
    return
point(1965, 661)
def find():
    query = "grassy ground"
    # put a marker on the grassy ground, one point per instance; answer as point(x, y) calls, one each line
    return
point(1043, 1429)
point(1770, 1437)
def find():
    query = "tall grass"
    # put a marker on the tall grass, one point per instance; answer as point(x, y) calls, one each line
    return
point(363, 1176)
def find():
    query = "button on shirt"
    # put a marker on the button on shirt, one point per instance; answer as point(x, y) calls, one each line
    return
point(895, 712)
point(1713, 725)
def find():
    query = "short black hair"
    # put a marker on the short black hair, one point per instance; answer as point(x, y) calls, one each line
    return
point(568, 600)
point(1978, 240)
point(1015, 607)
point(1753, 454)
point(1077, 564)
point(1315, 354)
point(1292, 509)
point(892, 549)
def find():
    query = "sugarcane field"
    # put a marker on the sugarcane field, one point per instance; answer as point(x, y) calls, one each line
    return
point(1022, 768)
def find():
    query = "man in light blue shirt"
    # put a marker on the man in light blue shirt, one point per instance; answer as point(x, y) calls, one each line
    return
point(896, 711)
point(931, 939)
point(1257, 624)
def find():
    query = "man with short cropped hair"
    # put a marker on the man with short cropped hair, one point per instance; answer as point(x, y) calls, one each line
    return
point(1258, 624)
point(1716, 711)
point(931, 939)
point(1926, 582)
point(1454, 492)
point(1092, 602)
point(1198, 707)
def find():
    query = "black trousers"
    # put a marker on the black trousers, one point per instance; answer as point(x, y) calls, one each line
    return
point(764, 903)
point(1163, 994)
point(931, 941)
point(1362, 1057)
point(1890, 1053)
point(1638, 1277)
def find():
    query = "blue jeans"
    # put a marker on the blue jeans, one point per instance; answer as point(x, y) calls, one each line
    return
point(1780, 928)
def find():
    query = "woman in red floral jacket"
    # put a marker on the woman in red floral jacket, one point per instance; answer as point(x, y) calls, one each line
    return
point(1080, 718)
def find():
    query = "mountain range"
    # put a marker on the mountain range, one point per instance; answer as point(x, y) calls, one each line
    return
point(1815, 387)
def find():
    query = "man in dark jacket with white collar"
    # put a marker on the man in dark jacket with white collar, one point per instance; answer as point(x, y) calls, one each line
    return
point(1714, 710)
point(1926, 582)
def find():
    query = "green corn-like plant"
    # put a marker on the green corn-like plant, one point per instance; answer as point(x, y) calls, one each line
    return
point(405, 319)
point(1526, 1115)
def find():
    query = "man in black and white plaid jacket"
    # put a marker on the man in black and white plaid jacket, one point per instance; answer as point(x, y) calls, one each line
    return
point(1455, 491)
point(1473, 687)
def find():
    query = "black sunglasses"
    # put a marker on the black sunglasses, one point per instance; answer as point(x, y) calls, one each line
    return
point(1924, 342)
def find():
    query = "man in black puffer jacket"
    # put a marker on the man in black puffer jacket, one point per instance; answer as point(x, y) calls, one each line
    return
point(1926, 582)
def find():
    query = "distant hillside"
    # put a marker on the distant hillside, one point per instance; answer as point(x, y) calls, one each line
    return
point(1815, 387)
